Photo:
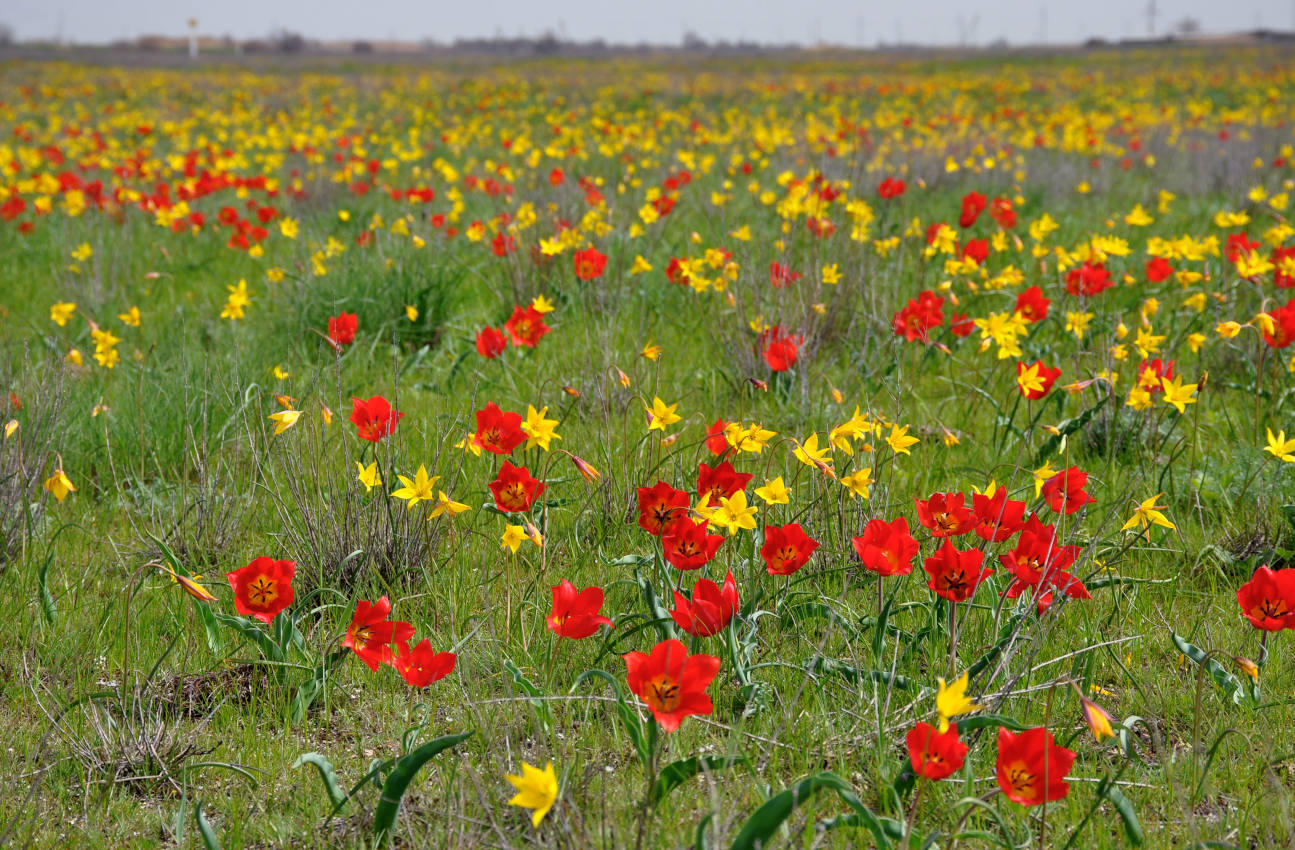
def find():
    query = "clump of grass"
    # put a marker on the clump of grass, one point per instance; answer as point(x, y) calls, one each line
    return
point(131, 742)
point(26, 454)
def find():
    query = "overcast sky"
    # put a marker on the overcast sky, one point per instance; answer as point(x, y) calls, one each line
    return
point(849, 22)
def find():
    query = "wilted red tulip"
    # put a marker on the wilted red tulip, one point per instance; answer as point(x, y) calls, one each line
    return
point(1031, 768)
point(886, 548)
point(263, 588)
point(374, 419)
point(711, 607)
point(371, 635)
point(786, 548)
point(420, 666)
point(575, 613)
point(935, 755)
point(671, 682)
point(514, 488)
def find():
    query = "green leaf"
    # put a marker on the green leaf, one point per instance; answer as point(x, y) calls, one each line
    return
point(766, 820)
point(542, 709)
point(982, 721)
point(676, 773)
point(819, 664)
point(309, 690)
point(1123, 806)
point(205, 614)
point(629, 717)
point(879, 630)
point(326, 775)
point(47, 607)
point(250, 630)
point(208, 834)
point(1227, 683)
point(1066, 427)
point(406, 767)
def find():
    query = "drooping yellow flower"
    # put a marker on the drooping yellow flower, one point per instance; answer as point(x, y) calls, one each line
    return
point(536, 790)
point(10, 428)
point(951, 700)
point(538, 430)
point(284, 419)
point(419, 489)
point(1147, 514)
point(1099, 722)
point(641, 266)
point(130, 317)
point(651, 350)
point(775, 492)
point(1280, 447)
point(59, 484)
point(661, 415)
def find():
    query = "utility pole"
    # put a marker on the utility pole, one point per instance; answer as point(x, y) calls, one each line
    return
point(1151, 18)
point(193, 39)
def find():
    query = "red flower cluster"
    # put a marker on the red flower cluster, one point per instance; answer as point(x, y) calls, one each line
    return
point(589, 264)
point(1088, 280)
point(891, 188)
point(371, 637)
point(711, 608)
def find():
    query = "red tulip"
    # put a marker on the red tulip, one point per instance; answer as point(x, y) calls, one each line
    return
point(711, 607)
point(514, 488)
point(671, 682)
point(935, 755)
point(421, 666)
point(575, 613)
point(374, 419)
point(955, 575)
point(1032, 768)
point(786, 548)
point(263, 588)
point(687, 546)
point(371, 635)
point(886, 548)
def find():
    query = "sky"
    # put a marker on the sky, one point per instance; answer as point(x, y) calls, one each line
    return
point(845, 22)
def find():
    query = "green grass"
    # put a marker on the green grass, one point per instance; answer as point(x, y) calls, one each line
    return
point(184, 452)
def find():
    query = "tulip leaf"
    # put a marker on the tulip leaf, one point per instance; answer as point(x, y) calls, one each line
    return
point(983, 721)
point(1124, 807)
point(1066, 427)
point(205, 830)
point(760, 827)
point(327, 775)
point(629, 717)
point(393, 791)
point(819, 664)
point(542, 710)
point(47, 607)
point(1227, 683)
point(676, 773)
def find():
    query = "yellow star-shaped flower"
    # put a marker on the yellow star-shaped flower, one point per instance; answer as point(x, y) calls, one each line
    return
point(536, 790)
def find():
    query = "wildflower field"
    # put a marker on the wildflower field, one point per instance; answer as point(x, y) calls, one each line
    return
point(826, 451)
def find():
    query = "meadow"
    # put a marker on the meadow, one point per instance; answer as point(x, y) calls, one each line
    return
point(824, 452)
